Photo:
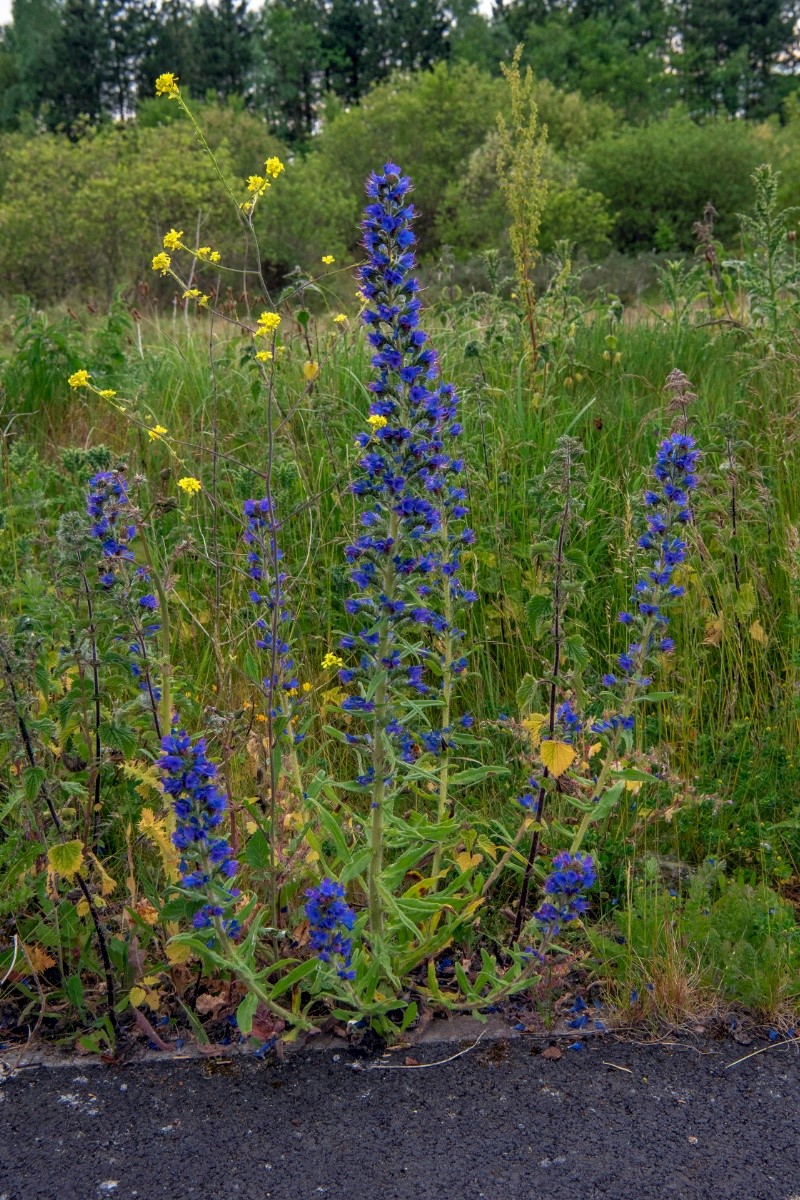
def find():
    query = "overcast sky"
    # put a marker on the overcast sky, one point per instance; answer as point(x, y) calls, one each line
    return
point(5, 9)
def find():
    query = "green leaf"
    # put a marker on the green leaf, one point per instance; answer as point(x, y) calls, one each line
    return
point(476, 775)
point(252, 667)
point(256, 852)
point(245, 1013)
point(32, 780)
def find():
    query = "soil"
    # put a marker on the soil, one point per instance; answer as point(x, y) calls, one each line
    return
point(509, 1119)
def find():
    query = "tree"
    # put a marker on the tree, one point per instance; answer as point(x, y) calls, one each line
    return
point(221, 50)
point(729, 51)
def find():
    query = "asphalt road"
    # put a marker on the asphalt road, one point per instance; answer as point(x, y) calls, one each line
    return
point(612, 1120)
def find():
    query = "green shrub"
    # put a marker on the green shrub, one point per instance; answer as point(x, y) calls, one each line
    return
point(659, 177)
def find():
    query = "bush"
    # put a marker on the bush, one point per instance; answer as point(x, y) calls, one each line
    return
point(659, 177)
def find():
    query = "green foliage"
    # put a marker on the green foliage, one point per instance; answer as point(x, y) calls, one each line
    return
point(659, 178)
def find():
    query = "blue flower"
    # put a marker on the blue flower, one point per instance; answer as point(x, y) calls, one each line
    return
point(330, 920)
point(207, 864)
point(406, 562)
point(572, 875)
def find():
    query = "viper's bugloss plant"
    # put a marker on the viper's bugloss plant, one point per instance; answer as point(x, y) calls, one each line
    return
point(330, 920)
point(571, 876)
point(207, 864)
point(406, 564)
point(114, 523)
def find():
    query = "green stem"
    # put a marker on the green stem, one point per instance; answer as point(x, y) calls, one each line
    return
point(443, 809)
point(379, 751)
point(164, 637)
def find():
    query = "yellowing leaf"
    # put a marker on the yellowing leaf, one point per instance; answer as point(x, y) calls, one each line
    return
point(534, 725)
point(557, 757)
point(137, 996)
point(178, 953)
point(66, 858)
point(757, 633)
point(147, 775)
point(107, 883)
point(466, 861)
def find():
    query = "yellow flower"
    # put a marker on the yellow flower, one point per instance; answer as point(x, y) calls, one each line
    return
point(203, 302)
point(274, 166)
point(306, 687)
point(328, 259)
point(79, 379)
point(331, 660)
point(340, 318)
point(156, 432)
point(264, 355)
point(268, 322)
point(214, 256)
point(107, 393)
point(191, 294)
point(257, 183)
point(280, 350)
point(190, 485)
point(167, 85)
point(377, 421)
point(161, 262)
point(310, 371)
point(172, 240)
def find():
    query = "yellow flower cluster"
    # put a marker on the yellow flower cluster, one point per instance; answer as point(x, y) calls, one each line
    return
point(268, 322)
point(377, 421)
point(340, 318)
point(156, 432)
point(273, 166)
point(79, 379)
point(328, 259)
point(167, 85)
point(190, 485)
point(172, 240)
point(257, 184)
point(331, 660)
point(107, 393)
point(161, 262)
point(206, 254)
point(264, 355)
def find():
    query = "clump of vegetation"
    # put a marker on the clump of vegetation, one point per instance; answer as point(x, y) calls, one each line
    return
point(341, 678)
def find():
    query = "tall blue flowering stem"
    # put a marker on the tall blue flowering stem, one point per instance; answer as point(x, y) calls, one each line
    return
point(330, 922)
point(115, 525)
point(663, 549)
point(405, 564)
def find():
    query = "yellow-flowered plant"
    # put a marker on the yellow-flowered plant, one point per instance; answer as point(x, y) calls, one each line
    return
point(162, 262)
point(268, 322)
point(190, 485)
point(331, 660)
point(79, 379)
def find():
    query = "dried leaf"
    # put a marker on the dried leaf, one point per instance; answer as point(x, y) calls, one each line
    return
point(552, 1052)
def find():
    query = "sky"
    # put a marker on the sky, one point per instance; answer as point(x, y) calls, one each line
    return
point(5, 9)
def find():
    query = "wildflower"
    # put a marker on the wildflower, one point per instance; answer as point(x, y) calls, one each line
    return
point(306, 687)
point(257, 183)
point(664, 543)
point(331, 660)
point(107, 393)
point(156, 432)
point(161, 262)
point(203, 301)
point(328, 259)
point(273, 167)
point(340, 318)
point(172, 240)
point(330, 920)
point(207, 864)
point(264, 355)
point(167, 85)
point(79, 379)
point(572, 875)
point(310, 371)
point(267, 593)
point(405, 563)
point(191, 294)
point(190, 485)
point(268, 322)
